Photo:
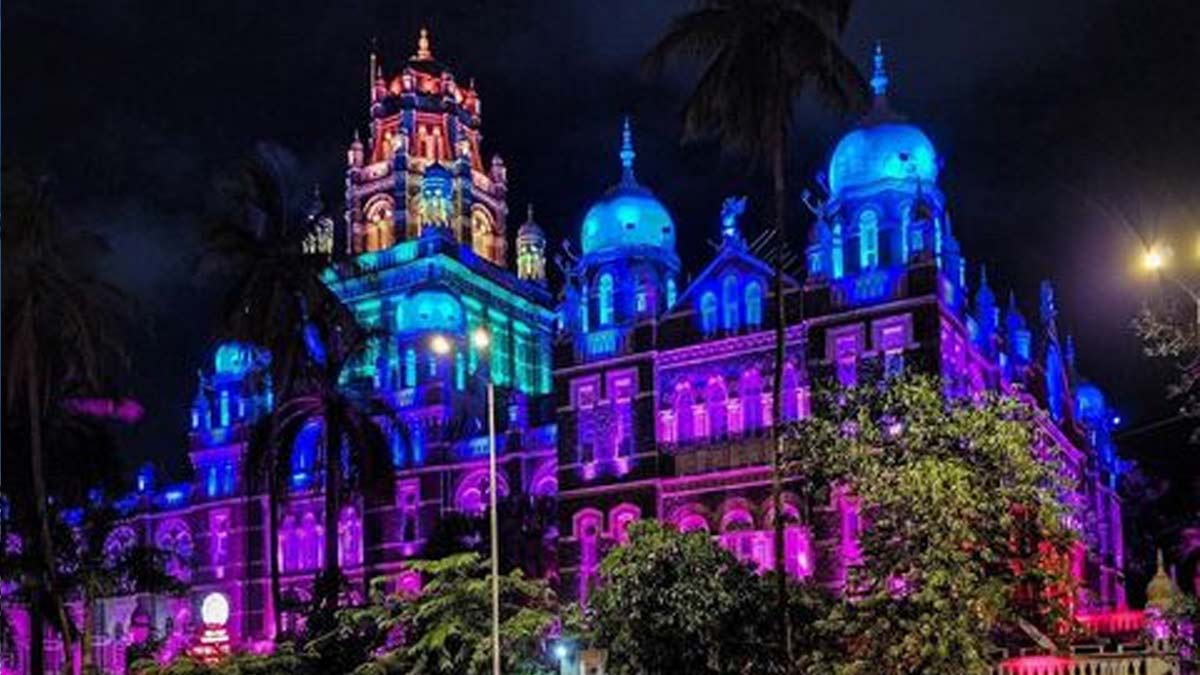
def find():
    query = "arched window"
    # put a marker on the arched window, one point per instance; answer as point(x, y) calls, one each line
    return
point(714, 396)
point(708, 313)
point(683, 413)
point(791, 382)
point(754, 298)
point(586, 528)
point(175, 539)
point(750, 390)
point(619, 520)
point(349, 538)
point(729, 298)
point(410, 367)
point(289, 545)
point(604, 293)
point(868, 239)
point(304, 455)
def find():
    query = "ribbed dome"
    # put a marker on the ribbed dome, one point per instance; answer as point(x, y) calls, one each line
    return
point(629, 214)
point(883, 148)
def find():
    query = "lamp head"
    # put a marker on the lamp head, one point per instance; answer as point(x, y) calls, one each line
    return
point(440, 345)
point(481, 338)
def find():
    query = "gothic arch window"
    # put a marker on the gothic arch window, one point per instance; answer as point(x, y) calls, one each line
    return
point(683, 413)
point(729, 301)
point(708, 313)
point(349, 538)
point(754, 298)
point(619, 520)
point(750, 392)
point(304, 455)
point(175, 539)
point(483, 233)
point(287, 545)
point(587, 526)
point(472, 494)
point(690, 518)
point(119, 542)
point(604, 297)
point(380, 214)
point(791, 382)
point(868, 239)
point(308, 541)
point(715, 398)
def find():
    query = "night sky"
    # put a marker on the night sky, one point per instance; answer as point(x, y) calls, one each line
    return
point(1051, 116)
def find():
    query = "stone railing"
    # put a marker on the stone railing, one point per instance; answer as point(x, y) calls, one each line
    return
point(1123, 660)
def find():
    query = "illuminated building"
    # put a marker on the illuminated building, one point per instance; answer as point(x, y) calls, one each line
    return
point(668, 402)
point(651, 399)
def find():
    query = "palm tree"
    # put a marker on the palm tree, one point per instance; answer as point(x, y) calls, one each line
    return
point(59, 336)
point(355, 452)
point(255, 240)
point(758, 56)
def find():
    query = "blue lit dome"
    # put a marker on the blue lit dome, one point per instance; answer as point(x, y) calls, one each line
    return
point(883, 148)
point(628, 215)
point(431, 308)
point(883, 151)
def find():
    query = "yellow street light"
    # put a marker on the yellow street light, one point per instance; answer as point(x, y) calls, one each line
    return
point(1155, 258)
point(440, 345)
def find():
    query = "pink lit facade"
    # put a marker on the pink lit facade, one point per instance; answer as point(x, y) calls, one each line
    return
point(664, 393)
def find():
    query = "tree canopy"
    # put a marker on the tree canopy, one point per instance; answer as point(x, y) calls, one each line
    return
point(966, 536)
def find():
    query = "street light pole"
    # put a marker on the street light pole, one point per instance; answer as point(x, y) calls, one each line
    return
point(482, 341)
point(492, 489)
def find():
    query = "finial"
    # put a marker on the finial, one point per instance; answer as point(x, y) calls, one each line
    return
point(731, 209)
point(423, 51)
point(627, 153)
point(529, 213)
point(983, 282)
point(879, 78)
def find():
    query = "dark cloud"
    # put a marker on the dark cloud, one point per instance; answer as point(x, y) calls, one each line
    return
point(134, 105)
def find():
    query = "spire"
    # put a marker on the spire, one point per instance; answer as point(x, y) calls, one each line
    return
point(627, 154)
point(879, 78)
point(529, 212)
point(373, 68)
point(424, 53)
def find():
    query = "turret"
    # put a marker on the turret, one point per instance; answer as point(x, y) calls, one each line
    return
point(354, 156)
point(531, 250)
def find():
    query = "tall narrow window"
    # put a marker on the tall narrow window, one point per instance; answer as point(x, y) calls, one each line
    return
point(729, 298)
point(708, 313)
point(671, 293)
point(868, 239)
point(754, 304)
point(791, 382)
point(410, 367)
point(604, 293)
point(717, 410)
point(750, 390)
point(683, 413)
point(587, 531)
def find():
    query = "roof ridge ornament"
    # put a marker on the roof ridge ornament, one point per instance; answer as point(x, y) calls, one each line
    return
point(627, 154)
point(424, 53)
point(879, 78)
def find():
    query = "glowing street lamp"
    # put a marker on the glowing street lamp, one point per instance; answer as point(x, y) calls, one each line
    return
point(440, 345)
point(1155, 258)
